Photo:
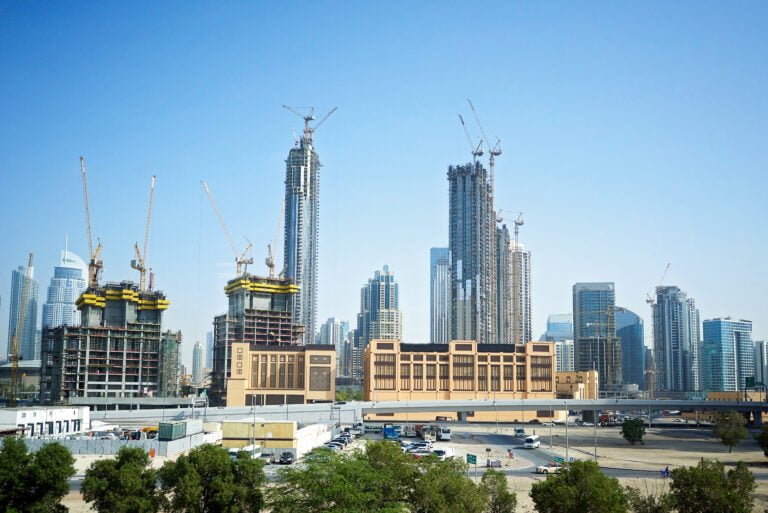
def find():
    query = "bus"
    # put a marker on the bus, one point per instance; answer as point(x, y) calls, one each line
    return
point(254, 451)
point(444, 433)
point(532, 442)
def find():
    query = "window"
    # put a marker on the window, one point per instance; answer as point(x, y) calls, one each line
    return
point(509, 384)
point(418, 377)
point(431, 381)
point(384, 372)
point(495, 378)
point(464, 372)
point(482, 378)
point(405, 376)
point(444, 377)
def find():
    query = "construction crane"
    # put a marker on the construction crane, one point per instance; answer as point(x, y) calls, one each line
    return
point(270, 260)
point(140, 262)
point(492, 152)
point(477, 151)
point(15, 355)
point(309, 117)
point(241, 262)
point(518, 268)
point(649, 299)
point(94, 265)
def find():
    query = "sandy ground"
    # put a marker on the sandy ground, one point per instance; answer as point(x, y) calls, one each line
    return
point(662, 447)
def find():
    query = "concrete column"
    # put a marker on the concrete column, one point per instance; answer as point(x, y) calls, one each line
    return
point(758, 416)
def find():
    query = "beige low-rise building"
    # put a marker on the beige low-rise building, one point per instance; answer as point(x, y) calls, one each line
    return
point(460, 370)
point(577, 385)
point(274, 375)
point(274, 437)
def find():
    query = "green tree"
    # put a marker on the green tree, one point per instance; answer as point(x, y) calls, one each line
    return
point(34, 482)
point(500, 499)
point(124, 484)
point(444, 488)
point(647, 502)
point(707, 488)
point(762, 439)
point(207, 480)
point(729, 428)
point(633, 430)
point(349, 394)
point(581, 487)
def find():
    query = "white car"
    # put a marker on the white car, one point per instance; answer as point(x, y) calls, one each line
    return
point(548, 469)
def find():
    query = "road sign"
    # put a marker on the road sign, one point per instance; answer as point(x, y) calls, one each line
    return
point(471, 459)
point(558, 459)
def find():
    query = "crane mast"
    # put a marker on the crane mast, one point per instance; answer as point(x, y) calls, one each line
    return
point(241, 262)
point(94, 264)
point(308, 118)
point(17, 333)
point(140, 262)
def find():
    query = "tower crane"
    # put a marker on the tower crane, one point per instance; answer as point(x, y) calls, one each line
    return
point(649, 298)
point(477, 151)
point(270, 260)
point(140, 262)
point(241, 262)
point(94, 265)
point(15, 356)
point(492, 152)
point(309, 117)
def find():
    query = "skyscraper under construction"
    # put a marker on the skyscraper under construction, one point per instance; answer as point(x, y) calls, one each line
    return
point(302, 210)
point(472, 242)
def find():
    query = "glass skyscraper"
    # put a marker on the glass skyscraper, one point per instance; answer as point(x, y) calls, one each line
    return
point(302, 210)
point(676, 341)
point(439, 295)
point(472, 241)
point(559, 327)
point(197, 364)
point(728, 354)
point(67, 284)
point(595, 341)
point(761, 362)
point(629, 329)
point(379, 317)
point(28, 346)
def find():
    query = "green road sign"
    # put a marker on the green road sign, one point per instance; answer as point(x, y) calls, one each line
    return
point(560, 460)
point(471, 459)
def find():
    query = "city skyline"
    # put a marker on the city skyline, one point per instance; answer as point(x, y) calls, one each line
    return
point(618, 115)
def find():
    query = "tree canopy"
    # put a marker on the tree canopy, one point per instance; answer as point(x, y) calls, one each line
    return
point(34, 482)
point(762, 439)
point(707, 488)
point(500, 499)
point(124, 484)
point(207, 480)
point(581, 487)
point(633, 430)
point(729, 428)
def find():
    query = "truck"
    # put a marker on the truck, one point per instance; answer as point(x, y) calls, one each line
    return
point(391, 432)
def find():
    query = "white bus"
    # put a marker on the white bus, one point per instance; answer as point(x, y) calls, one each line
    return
point(532, 442)
point(254, 451)
point(444, 433)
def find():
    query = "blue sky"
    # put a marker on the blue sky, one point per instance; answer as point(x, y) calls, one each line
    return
point(634, 134)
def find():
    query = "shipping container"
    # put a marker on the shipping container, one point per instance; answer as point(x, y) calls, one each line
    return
point(172, 431)
point(194, 426)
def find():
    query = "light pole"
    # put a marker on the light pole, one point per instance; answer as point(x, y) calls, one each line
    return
point(567, 459)
point(594, 426)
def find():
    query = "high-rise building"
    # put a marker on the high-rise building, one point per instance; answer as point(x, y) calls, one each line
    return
point(595, 342)
point(21, 278)
point(348, 354)
point(559, 327)
point(676, 341)
point(504, 287)
point(761, 362)
point(472, 241)
point(333, 332)
point(67, 284)
point(629, 329)
point(302, 210)
point(728, 354)
point(118, 351)
point(197, 364)
point(260, 313)
point(439, 295)
point(564, 355)
point(379, 317)
point(209, 350)
point(521, 293)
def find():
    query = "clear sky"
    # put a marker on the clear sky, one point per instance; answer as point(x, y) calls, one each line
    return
point(634, 134)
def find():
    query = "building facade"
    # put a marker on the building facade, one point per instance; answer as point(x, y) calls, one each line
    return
point(272, 375)
point(197, 364)
point(439, 295)
point(461, 369)
point(728, 354)
point(577, 385)
point(472, 242)
point(595, 342)
point(521, 293)
point(260, 312)
point(761, 362)
point(119, 350)
point(676, 341)
point(22, 278)
point(504, 287)
point(302, 211)
point(564, 356)
point(67, 284)
point(629, 330)
point(379, 317)
point(334, 332)
point(559, 327)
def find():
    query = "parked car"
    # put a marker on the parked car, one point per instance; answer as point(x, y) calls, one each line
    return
point(519, 432)
point(341, 440)
point(444, 453)
point(267, 458)
point(549, 468)
point(587, 424)
point(421, 454)
point(333, 447)
point(286, 458)
point(335, 444)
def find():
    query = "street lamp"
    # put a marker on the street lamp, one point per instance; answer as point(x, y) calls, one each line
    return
point(566, 432)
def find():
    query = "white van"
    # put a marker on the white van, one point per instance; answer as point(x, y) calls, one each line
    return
point(254, 451)
point(444, 433)
point(532, 442)
point(520, 432)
